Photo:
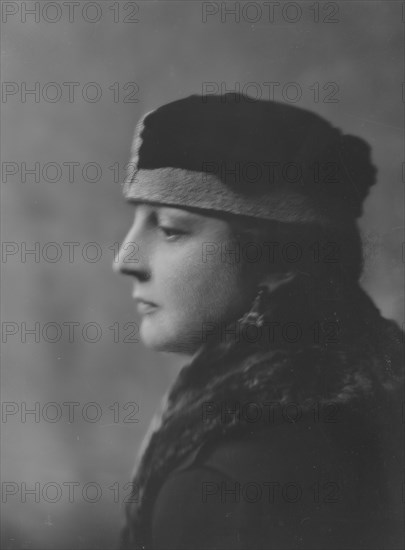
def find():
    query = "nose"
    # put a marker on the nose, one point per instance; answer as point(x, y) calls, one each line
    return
point(129, 260)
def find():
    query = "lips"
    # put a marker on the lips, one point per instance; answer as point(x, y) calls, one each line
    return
point(141, 300)
point(145, 308)
point(143, 305)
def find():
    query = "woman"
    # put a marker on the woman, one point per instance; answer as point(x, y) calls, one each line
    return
point(284, 429)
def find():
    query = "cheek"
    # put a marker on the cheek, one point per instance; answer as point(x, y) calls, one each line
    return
point(198, 291)
point(192, 292)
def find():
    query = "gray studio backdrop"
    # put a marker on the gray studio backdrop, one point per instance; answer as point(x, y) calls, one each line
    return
point(94, 68)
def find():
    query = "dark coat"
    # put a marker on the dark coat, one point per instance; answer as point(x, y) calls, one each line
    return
point(316, 461)
point(328, 481)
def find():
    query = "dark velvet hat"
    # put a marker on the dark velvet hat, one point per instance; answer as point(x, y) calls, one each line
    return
point(235, 154)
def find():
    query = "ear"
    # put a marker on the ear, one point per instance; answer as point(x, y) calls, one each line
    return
point(273, 281)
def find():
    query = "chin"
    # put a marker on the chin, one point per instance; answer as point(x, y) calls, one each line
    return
point(159, 339)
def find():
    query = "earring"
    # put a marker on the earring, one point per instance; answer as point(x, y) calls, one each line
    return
point(253, 316)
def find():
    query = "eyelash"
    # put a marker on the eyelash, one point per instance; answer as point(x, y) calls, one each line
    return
point(175, 232)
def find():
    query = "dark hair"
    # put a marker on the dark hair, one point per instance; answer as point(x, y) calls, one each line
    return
point(312, 249)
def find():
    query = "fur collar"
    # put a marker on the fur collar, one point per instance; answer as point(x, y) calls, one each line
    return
point(347, 375)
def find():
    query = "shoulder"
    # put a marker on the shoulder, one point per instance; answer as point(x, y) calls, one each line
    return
point(288, 485)
point(316, 462)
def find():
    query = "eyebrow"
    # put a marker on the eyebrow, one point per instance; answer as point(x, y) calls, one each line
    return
point(177, 214)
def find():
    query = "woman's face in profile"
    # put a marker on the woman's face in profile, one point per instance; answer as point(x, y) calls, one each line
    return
point(178, 260)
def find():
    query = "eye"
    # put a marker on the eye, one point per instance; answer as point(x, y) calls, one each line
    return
point(170, 233)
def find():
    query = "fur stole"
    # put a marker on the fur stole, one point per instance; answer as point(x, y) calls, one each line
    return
point(364, 372)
